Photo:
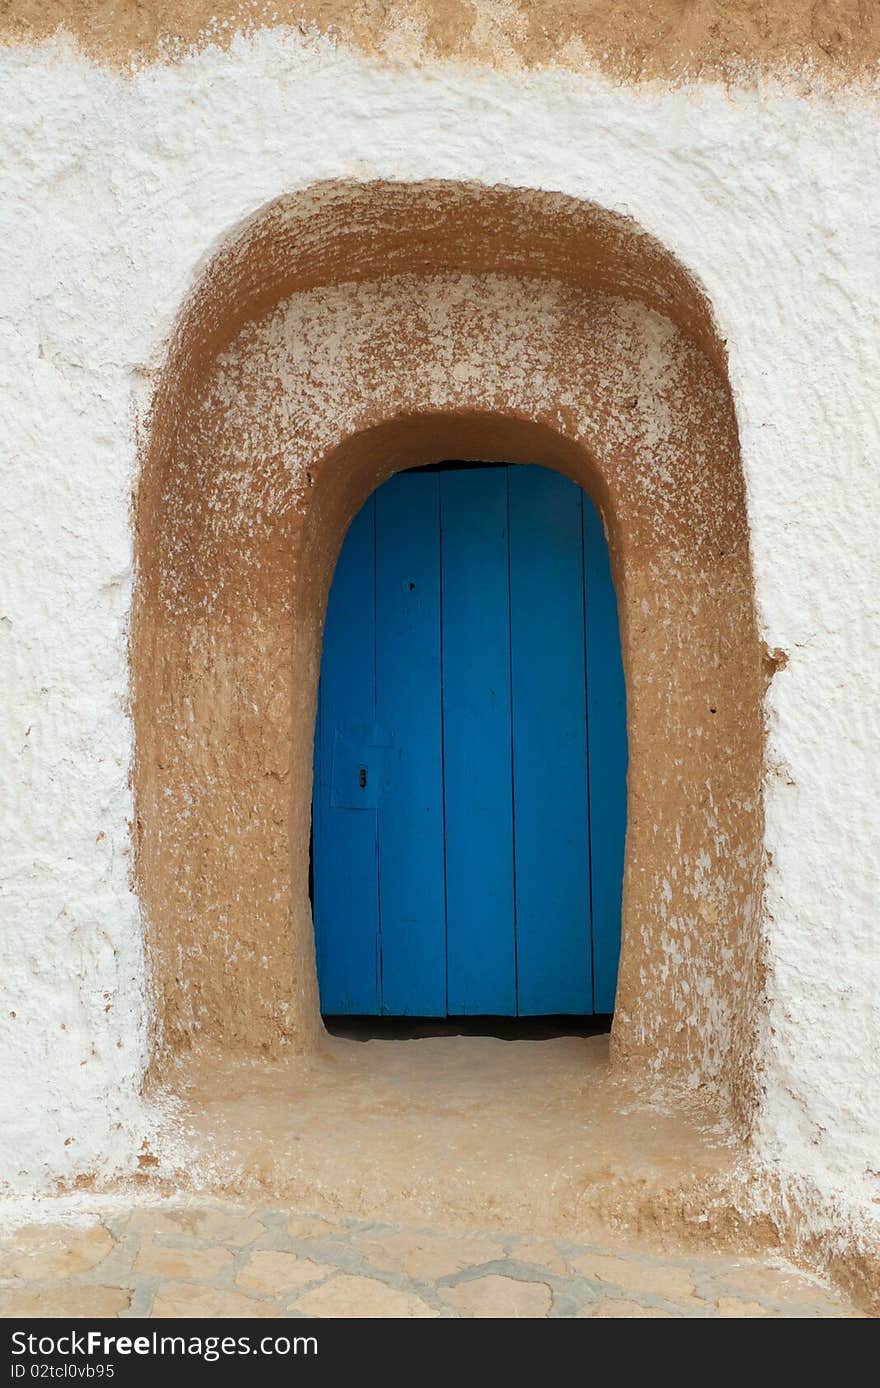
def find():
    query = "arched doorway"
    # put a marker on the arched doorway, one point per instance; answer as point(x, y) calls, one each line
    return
point(469, 807)
point(351, 331)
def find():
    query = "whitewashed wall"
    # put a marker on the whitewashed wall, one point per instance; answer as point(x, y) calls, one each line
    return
point(116, 189)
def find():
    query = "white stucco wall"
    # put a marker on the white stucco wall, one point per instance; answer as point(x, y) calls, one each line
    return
point(116, 189)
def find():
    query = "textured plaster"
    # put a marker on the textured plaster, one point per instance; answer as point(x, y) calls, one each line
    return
point(116, 191)
point(822, 40)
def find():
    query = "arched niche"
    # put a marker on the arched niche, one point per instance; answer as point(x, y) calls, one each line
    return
point(353, 330)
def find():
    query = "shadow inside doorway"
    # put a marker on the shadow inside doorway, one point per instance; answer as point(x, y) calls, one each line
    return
point(505, 1028)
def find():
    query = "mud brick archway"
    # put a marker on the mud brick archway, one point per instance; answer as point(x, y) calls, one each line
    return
point(347, 332)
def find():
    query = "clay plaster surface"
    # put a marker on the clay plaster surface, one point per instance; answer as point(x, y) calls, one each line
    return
point(462, 1132)
point(117, 189)
point(822, 40)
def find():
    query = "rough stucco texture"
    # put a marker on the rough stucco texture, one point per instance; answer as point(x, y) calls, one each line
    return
point(835, 40)
point(116, 191)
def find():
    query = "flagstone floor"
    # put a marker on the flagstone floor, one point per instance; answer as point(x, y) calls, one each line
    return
point(197, 1260)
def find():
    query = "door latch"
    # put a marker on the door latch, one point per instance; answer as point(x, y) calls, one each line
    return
point(358, 770)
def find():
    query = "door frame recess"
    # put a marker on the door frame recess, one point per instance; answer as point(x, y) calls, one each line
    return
point(348, 331)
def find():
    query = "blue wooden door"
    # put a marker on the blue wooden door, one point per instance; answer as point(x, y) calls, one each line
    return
point(470, 753)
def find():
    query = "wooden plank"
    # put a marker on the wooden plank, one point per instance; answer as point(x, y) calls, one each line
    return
point(480, 941)
point(607, 739)
point(344, 845)
point(408, 706)
point(549, 744)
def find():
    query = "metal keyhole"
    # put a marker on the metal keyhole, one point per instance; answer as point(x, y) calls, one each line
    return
point(362, 778)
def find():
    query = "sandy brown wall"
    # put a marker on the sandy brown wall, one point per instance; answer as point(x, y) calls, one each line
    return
point(343, 335)
point(637, 39)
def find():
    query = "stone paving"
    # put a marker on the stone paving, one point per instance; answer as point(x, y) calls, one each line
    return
point(219, 1261)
